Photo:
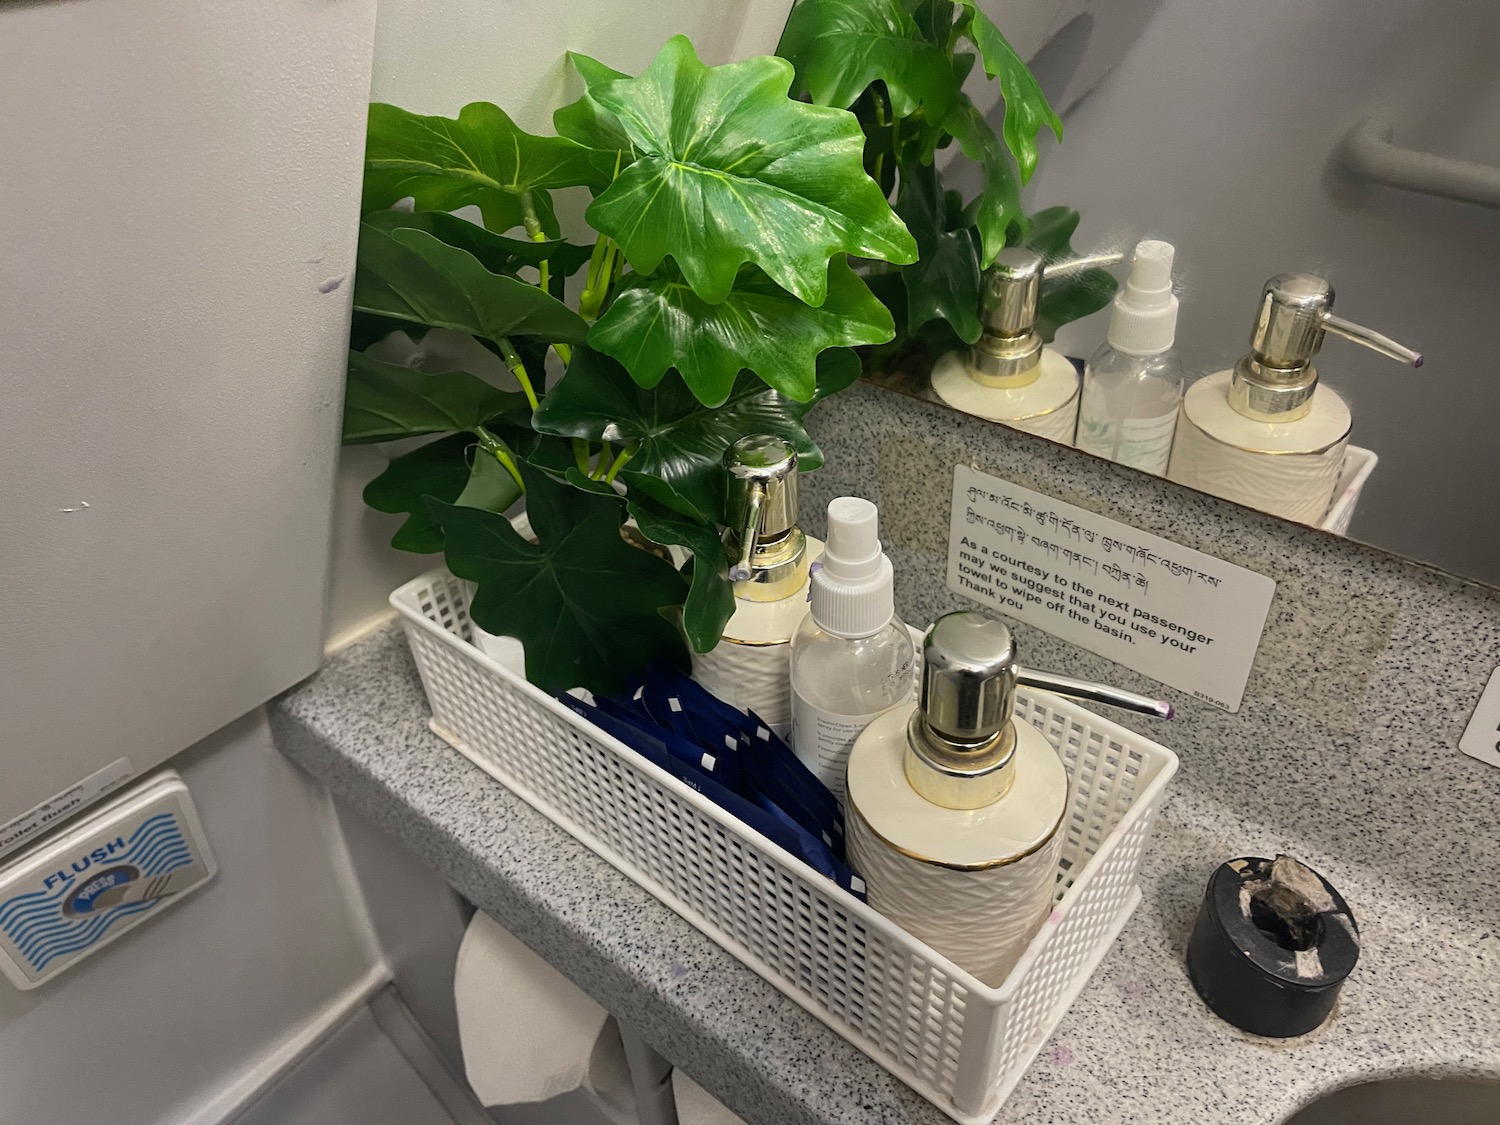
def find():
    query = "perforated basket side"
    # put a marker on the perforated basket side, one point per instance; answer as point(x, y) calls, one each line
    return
point(876, 985)
point(960, 1043)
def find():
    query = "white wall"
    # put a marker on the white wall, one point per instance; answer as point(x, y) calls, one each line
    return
point(181, 182)
point(169, 1020)
point(1217, 132)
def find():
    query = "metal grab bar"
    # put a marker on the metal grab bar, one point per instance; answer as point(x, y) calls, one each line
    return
point(1369, 152)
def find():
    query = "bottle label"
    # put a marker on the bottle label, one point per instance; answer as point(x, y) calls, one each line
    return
point(822, 741)
point(1141, 443)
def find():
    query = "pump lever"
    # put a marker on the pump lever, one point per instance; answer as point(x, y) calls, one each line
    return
point(1053, 271)
point(749, 534)
point(1375, 341)
point(1095, 692)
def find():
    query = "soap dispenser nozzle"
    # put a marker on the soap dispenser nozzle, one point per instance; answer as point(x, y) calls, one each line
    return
point(1010, 348)
point(767, 548)
point(1276, 379)
point(961, 738)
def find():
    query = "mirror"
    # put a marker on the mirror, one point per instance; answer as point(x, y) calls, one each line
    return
point(1237, 138)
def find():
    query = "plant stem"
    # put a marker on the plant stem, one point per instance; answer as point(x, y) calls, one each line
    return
point(530, 219)
point(617, 465)
point(501, 452)
point(606, 454)
point(517, 368)
point(601, 274)
point(581, 455)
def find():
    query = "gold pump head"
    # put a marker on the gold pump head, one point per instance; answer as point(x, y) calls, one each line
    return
point(962, 737)
point(768, 549)
point(1275, 380)
point(1008, 352)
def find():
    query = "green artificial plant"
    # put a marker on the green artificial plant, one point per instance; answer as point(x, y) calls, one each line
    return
point(723, 295)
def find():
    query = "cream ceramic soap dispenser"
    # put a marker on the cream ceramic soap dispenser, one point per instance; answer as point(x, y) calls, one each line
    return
point(955, 808)
point(1266, 434)
point(1009, 375)
point(750, 666)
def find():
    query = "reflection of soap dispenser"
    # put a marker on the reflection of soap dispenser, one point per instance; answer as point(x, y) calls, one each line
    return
point(1008, 375)
point(750, 666)
point(955, 809)
point(1266, 434)
point(852, 657)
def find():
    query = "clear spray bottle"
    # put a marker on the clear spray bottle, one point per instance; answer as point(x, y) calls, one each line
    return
point(1133, 384)
point(852, 658)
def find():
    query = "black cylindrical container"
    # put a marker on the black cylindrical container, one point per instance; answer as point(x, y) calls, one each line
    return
point(1272, 946)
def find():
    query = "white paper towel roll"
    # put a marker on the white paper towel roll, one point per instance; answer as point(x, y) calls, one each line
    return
point(529, 1034)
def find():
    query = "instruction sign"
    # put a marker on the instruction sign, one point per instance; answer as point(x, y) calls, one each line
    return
point(1177, 615)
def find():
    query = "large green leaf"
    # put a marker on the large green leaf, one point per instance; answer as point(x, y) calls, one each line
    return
point(667, 518)
point(407, 274)
point(1026, 108)
point(439, 468)
point(674, 436)
point(840, 47)
point(495, 252)
point(658, 322)
point(585, 120)
point(944, 284)
point(585, 603)
point(479, 158)
point(1072, 296)
point(998, 206)
point(730, 170)
point(388, 400)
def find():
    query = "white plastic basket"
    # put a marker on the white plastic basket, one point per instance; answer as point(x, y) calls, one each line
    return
point(1359, 463)
point(959, 1043)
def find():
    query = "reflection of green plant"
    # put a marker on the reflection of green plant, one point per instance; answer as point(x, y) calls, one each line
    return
point(900, 65)
point(717, 300)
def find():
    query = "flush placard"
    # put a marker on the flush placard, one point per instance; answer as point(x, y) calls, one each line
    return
point(1177, 615)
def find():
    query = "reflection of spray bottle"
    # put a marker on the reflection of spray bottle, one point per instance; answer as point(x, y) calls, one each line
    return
point(1133, 383)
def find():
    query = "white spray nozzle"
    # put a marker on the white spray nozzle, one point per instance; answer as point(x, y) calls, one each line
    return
point(1143, 320)
point(852, 550)
point(852, 591)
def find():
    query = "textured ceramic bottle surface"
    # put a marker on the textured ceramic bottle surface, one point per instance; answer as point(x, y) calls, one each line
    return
point(974, 884)
point(751, 666)
point(1047, 407)
point(1289, 469)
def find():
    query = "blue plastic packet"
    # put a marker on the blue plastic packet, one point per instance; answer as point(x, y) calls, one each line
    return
point(768, 766)
point(667, 709)
point(780, 829)
point(815, 853)
point(661, 747)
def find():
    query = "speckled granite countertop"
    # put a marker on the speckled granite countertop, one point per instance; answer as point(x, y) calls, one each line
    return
point(1137, 1046)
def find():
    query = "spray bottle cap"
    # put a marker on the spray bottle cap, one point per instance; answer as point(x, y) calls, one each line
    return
point(1143, 320)
point(852, 591)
